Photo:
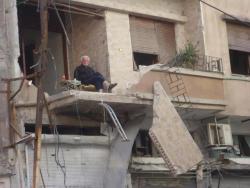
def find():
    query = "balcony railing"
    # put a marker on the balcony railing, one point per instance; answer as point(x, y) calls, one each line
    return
point(209, 63)
point(200, 63)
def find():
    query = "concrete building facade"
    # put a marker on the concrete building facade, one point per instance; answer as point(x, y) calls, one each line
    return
point(137, 44)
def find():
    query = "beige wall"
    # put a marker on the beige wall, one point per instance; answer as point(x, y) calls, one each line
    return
point(163, 9)
point(216, 42)
point(197, 86)
point(88, 37)
point(118, 41)
point(237, 97)
point(215, 32)
point(194, 26)
point(120, 50)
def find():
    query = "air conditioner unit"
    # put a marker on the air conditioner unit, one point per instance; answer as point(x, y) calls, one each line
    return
point(219, 134)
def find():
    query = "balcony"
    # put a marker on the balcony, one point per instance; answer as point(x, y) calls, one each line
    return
point(199, 63)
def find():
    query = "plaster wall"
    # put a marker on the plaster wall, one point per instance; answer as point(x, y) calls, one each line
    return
point(163, 9)
point(88, 37)
point(120, 50)
point(197, 86)
point(237, 97)
point(4, 182)
point(215, 30)
point(194, 25)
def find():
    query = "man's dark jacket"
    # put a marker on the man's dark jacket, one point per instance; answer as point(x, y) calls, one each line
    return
point(87, 75)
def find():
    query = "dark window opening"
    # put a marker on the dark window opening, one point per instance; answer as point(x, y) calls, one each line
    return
point(240, 62)
point(243, 144)
point(144, 59)
point(142, 145)
point(28, 58)
point(29, 39)
point(66, 130)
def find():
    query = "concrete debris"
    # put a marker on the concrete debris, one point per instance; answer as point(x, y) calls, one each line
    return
point(170, 135)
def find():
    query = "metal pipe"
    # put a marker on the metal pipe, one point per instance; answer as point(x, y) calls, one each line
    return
point(115, 120)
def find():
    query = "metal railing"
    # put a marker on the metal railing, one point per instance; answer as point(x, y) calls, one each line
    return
point(209, 64)
point(201, 63)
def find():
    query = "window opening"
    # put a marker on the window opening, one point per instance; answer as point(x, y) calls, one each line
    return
point(144, 59)
point(240, 62)
point(243, 143)
point(142, 145)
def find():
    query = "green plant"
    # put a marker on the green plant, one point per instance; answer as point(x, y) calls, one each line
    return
point(186, 57)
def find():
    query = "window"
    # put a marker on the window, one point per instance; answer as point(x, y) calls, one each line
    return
point(144, 59)
point(243, 143)
point(239, 48)
point(240, 62)
point(153, 39)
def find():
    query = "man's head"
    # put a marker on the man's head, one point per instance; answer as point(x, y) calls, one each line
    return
point(85, 60)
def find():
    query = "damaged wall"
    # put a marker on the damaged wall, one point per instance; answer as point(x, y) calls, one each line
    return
point(88, 37)
point(198, 86)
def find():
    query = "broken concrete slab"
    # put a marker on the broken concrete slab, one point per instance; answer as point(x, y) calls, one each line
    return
point(170, 135)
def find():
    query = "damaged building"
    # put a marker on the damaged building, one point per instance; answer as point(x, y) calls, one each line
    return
point(178, 118)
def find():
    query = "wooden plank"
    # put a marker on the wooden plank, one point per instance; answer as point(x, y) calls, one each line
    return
point(40, 98)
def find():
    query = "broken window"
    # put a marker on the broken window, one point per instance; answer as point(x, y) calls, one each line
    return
point(144, 59)
point(239, 48)
point(243, 144)
point(240, 62)
point(152, 40)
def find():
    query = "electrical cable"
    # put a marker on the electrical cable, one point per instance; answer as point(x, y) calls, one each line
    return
point(57, 159)
point(50, 59)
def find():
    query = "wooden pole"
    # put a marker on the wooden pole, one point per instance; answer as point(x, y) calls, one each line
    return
point(43, 4)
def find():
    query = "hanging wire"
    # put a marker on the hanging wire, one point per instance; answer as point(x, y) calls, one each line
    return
point(57, 159)
point(61, 22)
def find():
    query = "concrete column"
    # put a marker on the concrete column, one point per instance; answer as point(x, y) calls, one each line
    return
point(12, 39)
point(180, 36)
point(120, 152)
point(8, 52)
point(120, 55)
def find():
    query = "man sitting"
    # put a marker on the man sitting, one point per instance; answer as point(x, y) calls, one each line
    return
point(87, 75)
